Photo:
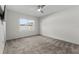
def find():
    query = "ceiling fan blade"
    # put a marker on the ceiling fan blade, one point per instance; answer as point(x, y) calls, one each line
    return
point(41, 6)
point(42, 11)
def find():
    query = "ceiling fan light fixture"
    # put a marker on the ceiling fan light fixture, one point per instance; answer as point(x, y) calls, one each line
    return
point(39, 10)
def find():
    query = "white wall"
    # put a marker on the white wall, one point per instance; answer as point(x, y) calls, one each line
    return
point(13, 25)
point(2, 42)
point(63, 25)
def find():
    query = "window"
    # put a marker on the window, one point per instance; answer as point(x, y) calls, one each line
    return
point(26, 25)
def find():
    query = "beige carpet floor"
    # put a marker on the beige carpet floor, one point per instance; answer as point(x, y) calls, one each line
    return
point(40, 45)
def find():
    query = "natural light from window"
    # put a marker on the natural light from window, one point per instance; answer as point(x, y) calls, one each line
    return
point(26, 25)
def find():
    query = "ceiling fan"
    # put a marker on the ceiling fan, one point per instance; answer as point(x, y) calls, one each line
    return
point(40, 8)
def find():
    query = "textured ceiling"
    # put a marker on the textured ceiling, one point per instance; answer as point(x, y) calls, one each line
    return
point(32, 9)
